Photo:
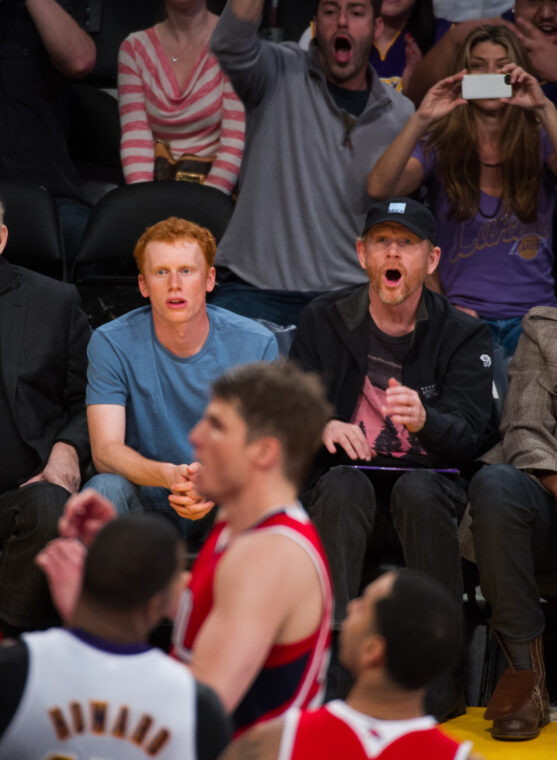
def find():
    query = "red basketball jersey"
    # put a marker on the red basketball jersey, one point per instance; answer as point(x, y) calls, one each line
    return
point(337, 731)
point(293, 675)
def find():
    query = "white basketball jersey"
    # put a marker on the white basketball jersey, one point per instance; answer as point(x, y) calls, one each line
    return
point(84, 703)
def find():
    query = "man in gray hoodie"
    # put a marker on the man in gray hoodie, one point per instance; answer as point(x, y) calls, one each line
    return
point(316, 122)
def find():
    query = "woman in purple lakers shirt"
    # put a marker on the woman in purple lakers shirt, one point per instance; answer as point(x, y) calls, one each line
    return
point(490, 165)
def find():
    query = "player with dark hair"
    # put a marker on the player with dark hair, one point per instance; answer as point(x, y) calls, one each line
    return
point(256, 617)
point(96, 688)
point(428, 622)
point(396, 638)
point(280, 402)
point(129, 563)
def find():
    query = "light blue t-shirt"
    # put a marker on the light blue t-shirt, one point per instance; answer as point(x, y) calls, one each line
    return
point(165, 395)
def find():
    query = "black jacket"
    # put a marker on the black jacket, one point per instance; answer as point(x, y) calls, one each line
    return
point(450, 364)
point(43, 360)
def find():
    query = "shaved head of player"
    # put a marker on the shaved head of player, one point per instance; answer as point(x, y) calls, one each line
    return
point(397, 637)
point(96, 689)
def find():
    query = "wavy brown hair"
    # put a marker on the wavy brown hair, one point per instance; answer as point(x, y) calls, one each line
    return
point(455, 140)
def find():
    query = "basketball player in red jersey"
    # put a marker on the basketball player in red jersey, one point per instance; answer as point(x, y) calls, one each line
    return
point(256, 616)
point(395, 638)
point(255, 620)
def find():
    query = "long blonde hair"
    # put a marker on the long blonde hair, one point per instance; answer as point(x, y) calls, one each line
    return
point(454, 139)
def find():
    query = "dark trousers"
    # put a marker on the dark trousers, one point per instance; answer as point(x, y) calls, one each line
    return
point(514, 525)
point(417, 514)
point(358, 520)
point(28, 520)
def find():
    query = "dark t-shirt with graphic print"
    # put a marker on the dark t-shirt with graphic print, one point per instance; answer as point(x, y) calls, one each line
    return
point(394, 444)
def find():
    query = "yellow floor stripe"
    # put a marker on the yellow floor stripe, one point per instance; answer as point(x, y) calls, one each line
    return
point(473, 727)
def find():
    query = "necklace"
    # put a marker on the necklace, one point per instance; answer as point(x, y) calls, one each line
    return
point(495, 213)
point(175, 57)
point(491, 166)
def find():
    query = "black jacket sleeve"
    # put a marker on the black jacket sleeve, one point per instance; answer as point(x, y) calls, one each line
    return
point(214, 728)
point(14, 663)
point(74, 429)
point(461, 422)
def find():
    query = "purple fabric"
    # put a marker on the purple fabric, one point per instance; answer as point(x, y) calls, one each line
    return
point(112, 647)
point(501, 268)
point(391, 67)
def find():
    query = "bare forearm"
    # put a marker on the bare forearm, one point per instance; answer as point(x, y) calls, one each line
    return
point(119, 459)
point(432, 67)
point(542, 52)
point(548, 119)
point(261, 742)
point(70, 49)
point(548, 70)
point(438, 62)
point(62, 468)
point(238, 749)
point(224, 665)
point(388, 169)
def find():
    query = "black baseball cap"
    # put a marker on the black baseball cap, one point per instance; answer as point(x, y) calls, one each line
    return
point(406, 211)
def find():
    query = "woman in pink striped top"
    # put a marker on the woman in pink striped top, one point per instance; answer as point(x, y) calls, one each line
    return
point(171, 88)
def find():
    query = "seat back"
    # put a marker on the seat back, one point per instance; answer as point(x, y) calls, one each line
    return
point(94, 140)
point(121, 217)
point(34, 238)
point(94, 127)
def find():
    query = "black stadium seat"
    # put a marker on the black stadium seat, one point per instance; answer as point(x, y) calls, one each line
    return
point(105, 271)
point(33, 231)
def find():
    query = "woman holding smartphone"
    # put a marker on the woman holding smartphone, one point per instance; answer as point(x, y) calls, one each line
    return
point(490, 164)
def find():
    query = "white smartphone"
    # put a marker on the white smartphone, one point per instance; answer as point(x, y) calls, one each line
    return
point(480, 86)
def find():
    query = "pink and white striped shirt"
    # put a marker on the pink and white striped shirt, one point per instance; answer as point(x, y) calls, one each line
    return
point(205, 119)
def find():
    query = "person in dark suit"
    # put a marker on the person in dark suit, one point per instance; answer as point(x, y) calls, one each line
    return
point(44, 443)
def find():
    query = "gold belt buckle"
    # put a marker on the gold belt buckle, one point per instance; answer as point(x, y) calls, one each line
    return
point(189, 177)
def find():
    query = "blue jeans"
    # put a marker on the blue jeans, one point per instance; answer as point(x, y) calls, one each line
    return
point(505, 332)
point(514, 525)
point(127, 497)
point(283, 307)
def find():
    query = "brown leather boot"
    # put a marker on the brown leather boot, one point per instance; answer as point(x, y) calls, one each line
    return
point(519, 706)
